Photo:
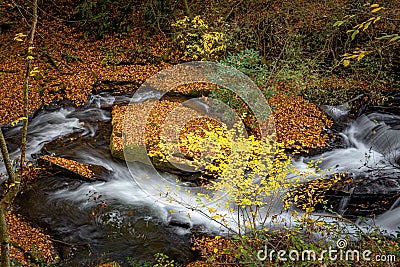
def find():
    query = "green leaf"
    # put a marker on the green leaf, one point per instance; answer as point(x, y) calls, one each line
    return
point(376, 19)
point(366, 25)
point(397, 37)
point(386, 36)
point(338, 23)
point(353, 35)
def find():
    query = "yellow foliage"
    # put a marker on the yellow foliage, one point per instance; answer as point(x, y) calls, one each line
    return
point(254, 173)
point(18, 120)
point(18, 37)
point(198, 39)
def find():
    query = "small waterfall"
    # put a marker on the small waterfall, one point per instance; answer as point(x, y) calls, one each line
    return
point(382, 133)
point(395, 205)
point(343, 204)
point(42, 129)
point(373, 149)
point(373, 144)
point(389, 221)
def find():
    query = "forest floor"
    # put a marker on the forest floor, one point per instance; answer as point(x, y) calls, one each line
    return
point(29, 243)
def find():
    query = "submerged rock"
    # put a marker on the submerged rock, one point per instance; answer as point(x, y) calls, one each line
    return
point(179, 221)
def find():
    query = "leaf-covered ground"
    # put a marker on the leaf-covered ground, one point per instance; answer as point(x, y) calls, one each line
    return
point(300, 124)
point(69, 63)
point(190, 120)
point(31, 241)
point(299, 120)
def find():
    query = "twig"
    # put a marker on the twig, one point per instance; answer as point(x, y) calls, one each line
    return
point(233, 8)
point(70, 244)
point(53, 59)
point(157, 19)
point(9, 71)
point(26, 86)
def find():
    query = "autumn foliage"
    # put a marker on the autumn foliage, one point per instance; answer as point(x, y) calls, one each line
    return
point(299, 123)
point(29, 239)
point(77, 167)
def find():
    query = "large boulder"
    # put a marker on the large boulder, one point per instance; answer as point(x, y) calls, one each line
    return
point(135, 147)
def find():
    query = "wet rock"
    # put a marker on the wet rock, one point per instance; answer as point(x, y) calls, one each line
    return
point(179, 221)
point(71, 168)
point(133, 150)
point(115, 87)
point(390, 105)
point(337, 113)
point(363, 196)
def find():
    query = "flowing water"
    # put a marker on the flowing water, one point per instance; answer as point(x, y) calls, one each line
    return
point(130, 224)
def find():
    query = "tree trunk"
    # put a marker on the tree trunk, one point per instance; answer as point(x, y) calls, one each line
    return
point(26, 86)
point(5, 240)
point(6, 158)
point(13, 184)
point(13, 179)
point(187, 9)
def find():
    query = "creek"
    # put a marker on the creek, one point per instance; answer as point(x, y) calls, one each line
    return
point(130, 224)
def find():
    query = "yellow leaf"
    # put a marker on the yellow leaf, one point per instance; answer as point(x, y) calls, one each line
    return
point(14, 184)
point(17, 121)
point(346, 62)
point(374, 5)
point(18, 37)
point(34, 71)
point(376, 9)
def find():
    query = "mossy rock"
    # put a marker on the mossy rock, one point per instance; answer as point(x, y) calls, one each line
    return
point(115, 152)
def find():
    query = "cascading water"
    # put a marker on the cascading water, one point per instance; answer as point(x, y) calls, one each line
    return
point(129, 223)
point(42, 130)
point(373, 150)
point(372, 143)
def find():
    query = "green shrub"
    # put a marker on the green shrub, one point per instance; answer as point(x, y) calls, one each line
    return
point(250, 63)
